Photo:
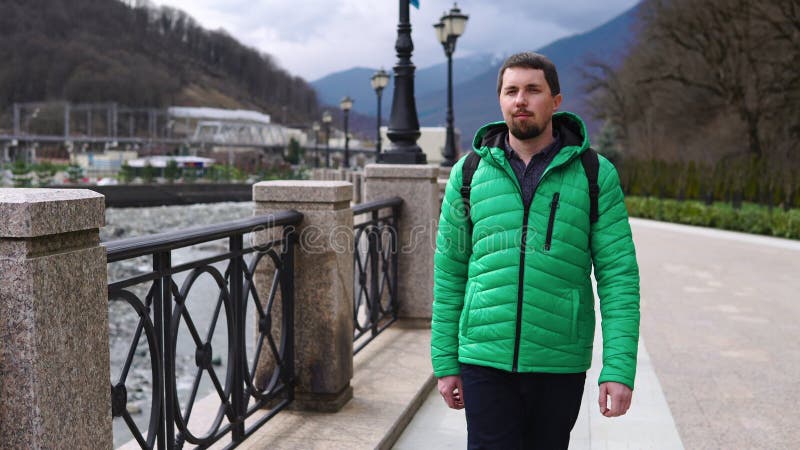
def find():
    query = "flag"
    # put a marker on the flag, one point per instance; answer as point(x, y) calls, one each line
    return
point(415, 3)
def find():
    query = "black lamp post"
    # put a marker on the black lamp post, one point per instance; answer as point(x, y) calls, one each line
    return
point(449, 28)
point(403, 123)
point(379, 81)
point(345, 104)
point(315, 127)
point(326, 120)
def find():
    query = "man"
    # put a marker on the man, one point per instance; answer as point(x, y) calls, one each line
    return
point(513, 313)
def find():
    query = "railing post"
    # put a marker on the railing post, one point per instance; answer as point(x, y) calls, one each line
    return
point(161, 337)
point(236, 283)
point(416, 185)
point(323, 286)
point(395, 252)
point(161, 265)
point(374, 275)
point(54, 360)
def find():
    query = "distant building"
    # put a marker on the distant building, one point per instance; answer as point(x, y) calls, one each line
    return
point(431, 141)
point(200, 165)
point(226, 126)
point(105, 164)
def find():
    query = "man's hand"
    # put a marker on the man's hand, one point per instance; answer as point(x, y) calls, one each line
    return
point(452, 391)
point(620, 398)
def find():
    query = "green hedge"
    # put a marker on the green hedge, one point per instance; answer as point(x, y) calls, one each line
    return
point(750, 218)
point(748, 179)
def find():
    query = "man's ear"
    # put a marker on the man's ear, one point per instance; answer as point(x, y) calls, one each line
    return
point(557, 101)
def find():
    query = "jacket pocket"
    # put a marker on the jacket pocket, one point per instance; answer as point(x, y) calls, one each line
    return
point(576, 304)
point(465, 310)
point(551, 222)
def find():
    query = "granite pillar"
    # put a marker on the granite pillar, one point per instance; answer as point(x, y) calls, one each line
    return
point(54, 362)
point(358, 182)
point(324, 284)
point(417, 185)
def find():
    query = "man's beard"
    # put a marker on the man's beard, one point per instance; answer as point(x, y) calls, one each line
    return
point(524, 131)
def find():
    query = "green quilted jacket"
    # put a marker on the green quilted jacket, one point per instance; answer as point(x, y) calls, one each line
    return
point(516, 294)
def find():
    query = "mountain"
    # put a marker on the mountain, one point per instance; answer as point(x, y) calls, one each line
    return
point(475, 80)
point(139, 56)
point(475, 101)
point(356, 83)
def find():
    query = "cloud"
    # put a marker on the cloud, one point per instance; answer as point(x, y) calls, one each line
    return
point(313, 38)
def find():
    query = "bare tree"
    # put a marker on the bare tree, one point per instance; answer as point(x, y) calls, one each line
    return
point(723, 71)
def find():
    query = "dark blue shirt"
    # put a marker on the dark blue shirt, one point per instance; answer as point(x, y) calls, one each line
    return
point(529, 175)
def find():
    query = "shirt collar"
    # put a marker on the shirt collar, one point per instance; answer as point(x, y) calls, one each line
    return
point(554, 146)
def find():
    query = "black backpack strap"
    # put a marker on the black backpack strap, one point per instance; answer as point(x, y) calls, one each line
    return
point(591, 165)
point(467, 171)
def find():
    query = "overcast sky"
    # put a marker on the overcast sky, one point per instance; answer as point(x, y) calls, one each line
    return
point(315, 38)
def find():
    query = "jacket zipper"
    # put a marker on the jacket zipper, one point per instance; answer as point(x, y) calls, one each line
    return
point(521, 285)
point(553, 206)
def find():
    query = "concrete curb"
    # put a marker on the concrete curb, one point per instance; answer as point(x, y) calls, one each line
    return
point(394, 433)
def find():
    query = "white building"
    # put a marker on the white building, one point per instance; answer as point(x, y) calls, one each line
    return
point(105, 164)
point(431, 141)
point(160, 162)
point(227, 126)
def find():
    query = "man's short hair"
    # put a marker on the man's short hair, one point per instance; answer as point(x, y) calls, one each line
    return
point(531, 60)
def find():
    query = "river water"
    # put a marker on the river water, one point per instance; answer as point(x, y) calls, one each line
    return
point(200, 302)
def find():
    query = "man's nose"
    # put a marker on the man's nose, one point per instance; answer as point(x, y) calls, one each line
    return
point(520, 98)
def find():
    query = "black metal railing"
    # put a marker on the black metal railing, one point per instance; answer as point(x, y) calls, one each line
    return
point(169, 341)
point(375, 255)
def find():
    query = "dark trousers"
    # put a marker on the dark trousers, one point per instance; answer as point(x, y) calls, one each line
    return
point(520, 410)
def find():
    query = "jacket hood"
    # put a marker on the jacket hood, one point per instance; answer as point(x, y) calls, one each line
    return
point(488, 140)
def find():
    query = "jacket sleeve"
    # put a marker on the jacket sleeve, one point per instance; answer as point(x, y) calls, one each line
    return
point(617, 275)
point(453, 249)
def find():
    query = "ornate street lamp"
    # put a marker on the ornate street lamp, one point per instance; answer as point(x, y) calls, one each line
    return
point(403, 123)
point(379, 81)
point(315, 127)
point(345, 104)
point(449, 28)
point(326, 120)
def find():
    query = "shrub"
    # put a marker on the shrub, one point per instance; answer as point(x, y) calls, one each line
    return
point(750, 218)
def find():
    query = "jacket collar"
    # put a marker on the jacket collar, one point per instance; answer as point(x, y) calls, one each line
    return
point(489, 140)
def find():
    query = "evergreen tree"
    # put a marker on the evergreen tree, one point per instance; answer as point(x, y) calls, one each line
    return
point(45, 172)
point(294, 152)
point(21, 174)
point(74, 173)
point(171, 171)
point(607, 143)
point(126, 173)
point(148, 173)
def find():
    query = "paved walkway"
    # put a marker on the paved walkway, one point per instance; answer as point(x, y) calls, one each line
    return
point(390, 377)
point(720, 313)
point(718, 351)
point(648, 424)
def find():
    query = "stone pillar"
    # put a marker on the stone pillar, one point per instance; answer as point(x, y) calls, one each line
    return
point(54, 364)
point(357, 185)
point(323, 287)
point(442, 186)
point(444, 172)
point(416, 184)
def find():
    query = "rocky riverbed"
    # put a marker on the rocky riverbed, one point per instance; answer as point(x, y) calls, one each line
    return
point(201, 303)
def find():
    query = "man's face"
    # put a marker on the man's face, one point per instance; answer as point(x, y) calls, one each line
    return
point(526, 102)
